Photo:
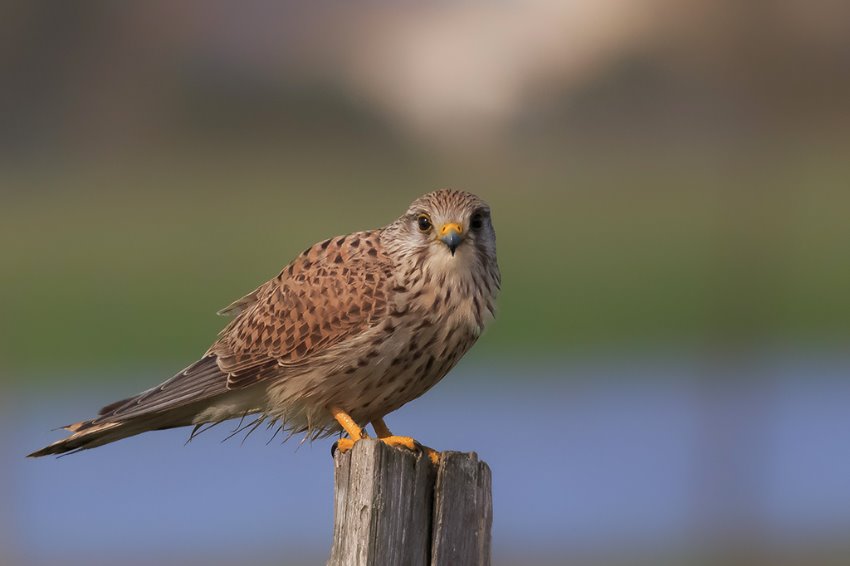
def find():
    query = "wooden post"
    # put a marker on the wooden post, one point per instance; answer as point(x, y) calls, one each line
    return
point(392, 506)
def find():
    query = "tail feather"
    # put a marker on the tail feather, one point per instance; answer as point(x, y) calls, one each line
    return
point(93, 433)
point(87, 438)
point(116, 405)
point(175, 402)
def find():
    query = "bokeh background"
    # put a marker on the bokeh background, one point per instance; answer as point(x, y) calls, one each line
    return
point(669, 183)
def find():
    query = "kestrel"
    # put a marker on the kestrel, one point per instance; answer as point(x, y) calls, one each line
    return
point(352, 329)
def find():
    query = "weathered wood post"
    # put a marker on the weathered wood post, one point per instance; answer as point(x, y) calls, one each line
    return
point(392, 506)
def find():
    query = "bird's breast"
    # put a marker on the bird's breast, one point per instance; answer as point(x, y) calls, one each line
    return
point(454, 302)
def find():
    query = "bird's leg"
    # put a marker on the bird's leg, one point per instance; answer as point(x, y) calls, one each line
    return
point(384, 434)
point(381, 428)
point(354, 431)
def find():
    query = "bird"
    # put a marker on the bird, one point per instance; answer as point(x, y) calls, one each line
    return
point(353, 328)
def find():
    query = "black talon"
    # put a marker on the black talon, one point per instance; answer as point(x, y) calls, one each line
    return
point(333, 448)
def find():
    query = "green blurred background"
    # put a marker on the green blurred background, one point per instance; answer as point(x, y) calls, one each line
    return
point(668, 179)
point(683, 184)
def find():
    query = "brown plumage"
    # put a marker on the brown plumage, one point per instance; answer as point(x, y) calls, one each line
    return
point(362, 323)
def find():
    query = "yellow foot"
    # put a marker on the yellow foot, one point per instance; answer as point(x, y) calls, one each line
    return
point(410, 444)
point(433, 455)
point(346, 444)
point(355, 433)
point(343, 445)
point(403, 441)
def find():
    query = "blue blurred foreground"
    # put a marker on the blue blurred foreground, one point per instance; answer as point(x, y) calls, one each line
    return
point(645, 460)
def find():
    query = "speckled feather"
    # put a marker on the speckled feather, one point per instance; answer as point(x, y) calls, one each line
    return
point(367, 322)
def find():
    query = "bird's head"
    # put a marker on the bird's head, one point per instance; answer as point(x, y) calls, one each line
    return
point(446, 230)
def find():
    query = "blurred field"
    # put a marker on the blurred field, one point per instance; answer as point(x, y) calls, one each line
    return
point(126, 262)
point(664, 176)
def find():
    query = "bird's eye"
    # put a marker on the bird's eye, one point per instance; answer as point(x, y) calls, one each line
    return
point(476, 221)
point(424, 222)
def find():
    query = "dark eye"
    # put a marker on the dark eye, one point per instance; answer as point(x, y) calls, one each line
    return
point(476, 221)
point(424, 222)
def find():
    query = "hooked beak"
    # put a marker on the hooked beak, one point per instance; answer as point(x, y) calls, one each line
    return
point(452, 235)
